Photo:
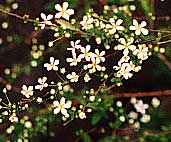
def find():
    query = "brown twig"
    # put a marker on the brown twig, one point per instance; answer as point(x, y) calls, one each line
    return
point(142, 94)
point(163, 58)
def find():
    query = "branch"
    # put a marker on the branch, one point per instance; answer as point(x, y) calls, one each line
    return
point(142, 94)
point(163, 58)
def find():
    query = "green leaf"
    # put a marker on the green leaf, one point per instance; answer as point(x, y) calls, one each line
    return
point(96, 117)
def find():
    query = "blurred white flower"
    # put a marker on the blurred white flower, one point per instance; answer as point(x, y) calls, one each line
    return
point(133, 115)
point(52, 65)
point(140, 107)
point(42, 84)
point(155, 102)
point(82, 115)
point(63, 11)
point(13, 118)
point(145, 118)
point(87, 78)
point(46, 20)
point(27, 91)
point(139, 28)
point(73, 77)
point(62, 107)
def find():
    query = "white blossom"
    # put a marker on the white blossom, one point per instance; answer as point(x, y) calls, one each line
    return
point(27, 91)
point(141, 52)
point(52, 65)
point(46, 20)
point(87, 78)
point(126, 45)
point(73, 61)
point(99, 55)
point(62, 107)
point(140, 107)
point(139, 28)
point(63, 11)
point(145, 118)
point(94, 65)
point(155, 102)
point(114, 26)
point(73, 77)
point(42, 84)
point(74, 45)
point(13, 118)
point(86, 54)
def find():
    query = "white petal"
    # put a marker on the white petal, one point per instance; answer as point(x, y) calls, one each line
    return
point(132, 47)
point(44, 79)
point(56, 62)
point(135, 22)
point(70, 11)
point(52, 60)
point(67, 105)
point(143, 24)
point(24, 87)
point(43, 16)
point(58, 15)
point(55, 68)
point(132, 28)
point(144, 31)
point(40, 80)
point(58, 7)
point(64, 111)
point(120, 47)
point(49, 17)
point(138, 32)
point(123, 41)
point(65, 16)
point(56, 110)
point(120, 28)
point(62, 101)
point(119, 21)
point(65, 5)
point(56, 103)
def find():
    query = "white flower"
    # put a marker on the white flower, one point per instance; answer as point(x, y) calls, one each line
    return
point(114, 25)
point(46, 20)
point(82, 115)
point(99, 56)
point(122, 118)
point(87, 22)
point(86, 54)
point(141, 52)
point(13, 118)
point(133, 100)
point(64, 12)
point(42, 84)
point(73, 61)
point(87, 78)
point(145, 118)
point(133, 115)
point(139, 28)
point(155, 102)
point(75, 45)
point(27, 91)
point(52, 65)
point(126, 46)
point(62, 107)
point(94, 65)
point(140, 107)
point(73, 77)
